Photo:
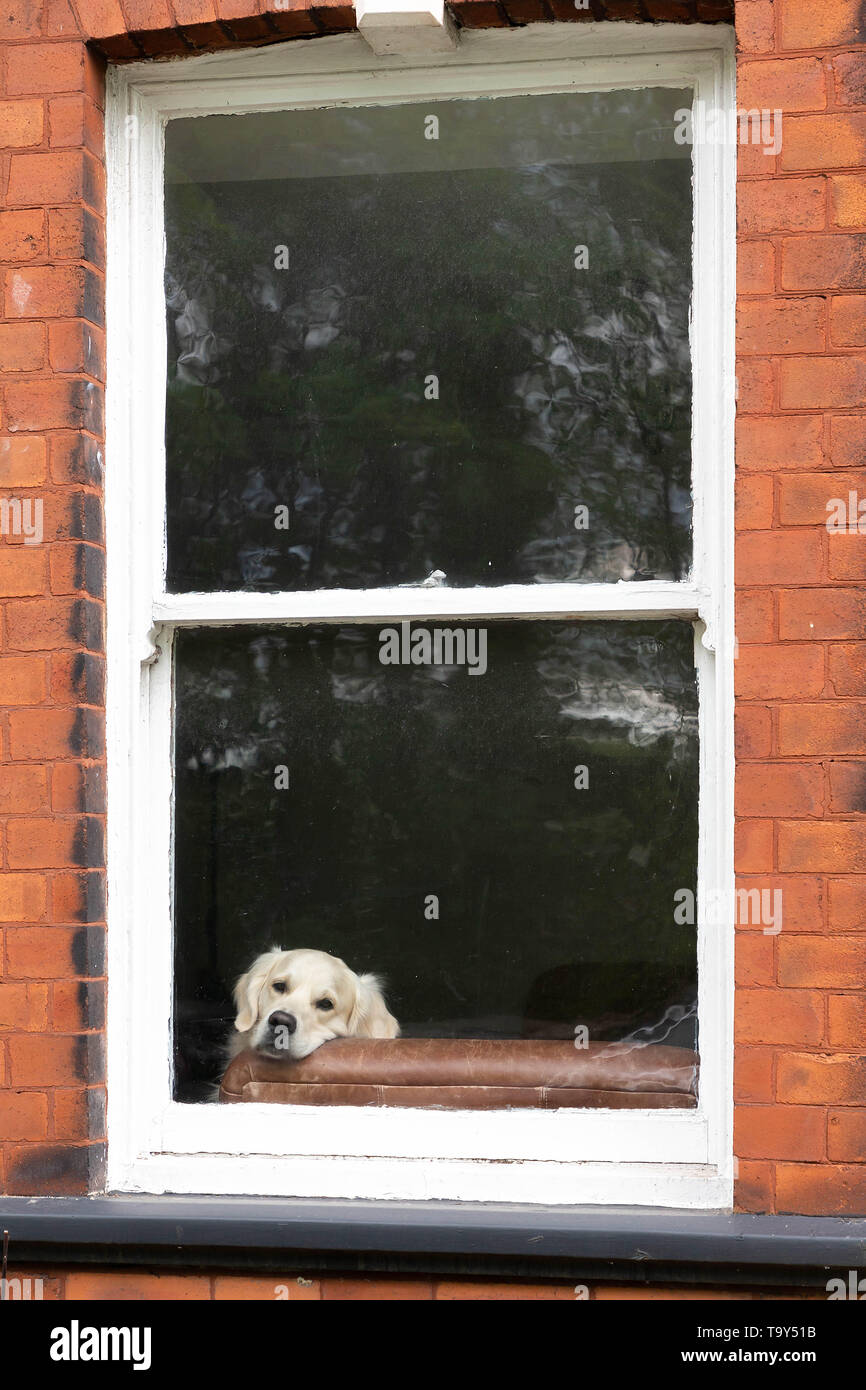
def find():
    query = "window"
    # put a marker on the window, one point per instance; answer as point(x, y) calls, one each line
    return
point(423, 658)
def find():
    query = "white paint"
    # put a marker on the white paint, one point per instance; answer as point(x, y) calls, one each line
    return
point(406, 26)
point(675, 1158)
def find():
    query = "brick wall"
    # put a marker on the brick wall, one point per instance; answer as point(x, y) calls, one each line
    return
point(801, 671)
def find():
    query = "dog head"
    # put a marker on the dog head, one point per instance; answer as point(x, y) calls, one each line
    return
point(290, 1002)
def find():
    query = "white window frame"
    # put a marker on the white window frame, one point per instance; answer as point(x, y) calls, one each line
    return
point(677, 1158)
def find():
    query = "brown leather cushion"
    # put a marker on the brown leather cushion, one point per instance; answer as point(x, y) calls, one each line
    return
point(469, 1073)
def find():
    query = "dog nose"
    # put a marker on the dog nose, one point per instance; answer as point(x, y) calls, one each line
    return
point(283, 1020)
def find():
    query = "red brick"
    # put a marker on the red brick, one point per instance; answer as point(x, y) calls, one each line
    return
point(23, 1115)
point(848, 321)
point(847, 1022)
point(753, 1073)
point(777, 789)
point(803, 898)
point(848, 787)
point(753, 846)
point(53, 842)
point(107, 1284)
point(807, 25)
point(755, 386)
point(754, 1185)
point(786, 84)
point(805, 498)
point(76, 234)
point(780, 205)
point(61, 176)
point(292, 18)
point(756, 268)
point(78, 897)
point(821, 1189)
point(837, 261)
point(44, 1060)
point(823, 142)
point(755, 960)
point(847, 559)
point(846, 1136)
point(849, 79)
point(22, 789)
point(23, 1008)
point(819, 614)
point(847, 911)
point(44, 953)
point(53, 291)
point(71, 402)
point(22, 22)
point(21, 123)
point(58, 21)
point(780, 443)
point(779, 1016)
point(45, 68)
point(755, 618)
point(76, 120)
point(241, 1288)
point(99, 18)
point(754, 509)
point(821, 961)
point(22, 347)
point(346, 1290)
point(848, 441)
point(848, 200)
point(195, 11)
point(779, 557)
point(52, 733)
point(22, 459)
point(23, 571)
point(75, 1111)
point(804, 1078)
point(22, 234)
point(755, 26)
point(780, 325)
point(478, 1290)
point(752, 731)
point(821, 729)
point(22, 680)
point(780, 1132)
point(22, 897)
point(77, 1006)
point(77, 346)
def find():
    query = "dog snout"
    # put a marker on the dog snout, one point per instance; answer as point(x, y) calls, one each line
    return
point(279, 1019)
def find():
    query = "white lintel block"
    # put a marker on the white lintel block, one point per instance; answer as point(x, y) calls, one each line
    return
point(406, 26)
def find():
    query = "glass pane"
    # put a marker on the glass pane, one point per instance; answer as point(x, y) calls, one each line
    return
point(390, 354)
point(504, 845)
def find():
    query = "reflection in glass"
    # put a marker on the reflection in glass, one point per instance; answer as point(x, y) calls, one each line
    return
point(554, 899)
point(389, 353)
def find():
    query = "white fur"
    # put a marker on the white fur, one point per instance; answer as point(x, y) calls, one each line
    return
point(297, 983)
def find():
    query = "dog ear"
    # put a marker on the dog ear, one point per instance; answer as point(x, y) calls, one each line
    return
point(369, 1017)
point(248, 989)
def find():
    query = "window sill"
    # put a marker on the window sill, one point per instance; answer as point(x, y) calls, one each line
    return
point(581, 1243)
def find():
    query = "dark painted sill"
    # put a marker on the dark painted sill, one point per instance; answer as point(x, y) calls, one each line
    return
point(580, 1243)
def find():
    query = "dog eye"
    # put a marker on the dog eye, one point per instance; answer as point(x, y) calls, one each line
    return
point(279, 986)
point(324, 1005)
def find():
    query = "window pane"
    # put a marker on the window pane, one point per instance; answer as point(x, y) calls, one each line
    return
point(504, 847)
point(390, 354)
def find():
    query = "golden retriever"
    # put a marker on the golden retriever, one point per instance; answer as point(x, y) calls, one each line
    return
point(290, 1002)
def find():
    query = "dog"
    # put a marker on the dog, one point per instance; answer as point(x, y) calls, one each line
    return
point(290, 1002)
